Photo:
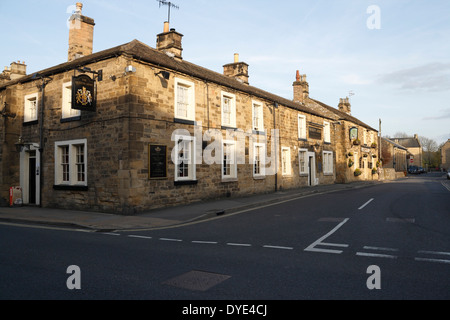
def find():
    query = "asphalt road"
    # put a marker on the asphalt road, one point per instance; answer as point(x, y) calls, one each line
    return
point(385, 242)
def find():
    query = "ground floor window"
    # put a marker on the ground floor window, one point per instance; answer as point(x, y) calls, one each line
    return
point(71, 163)
point(185, 159)
point(328, 162)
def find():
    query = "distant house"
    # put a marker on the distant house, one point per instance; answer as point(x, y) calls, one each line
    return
point(394, 155)
point(414, 148)
point(445, 155)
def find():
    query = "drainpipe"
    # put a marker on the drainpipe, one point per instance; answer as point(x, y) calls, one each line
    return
point(275, 106)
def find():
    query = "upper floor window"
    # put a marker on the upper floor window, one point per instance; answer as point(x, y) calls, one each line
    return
point(301, 126)
point(67, 111)
point(228, 110)
point(257, 116)
point(326, 132)
point(30, 112)
point(184, 100)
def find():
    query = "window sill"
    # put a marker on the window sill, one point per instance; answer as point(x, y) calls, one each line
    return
point(30, 123)
point(259, 177)
point(70, 188)
point(183, 121)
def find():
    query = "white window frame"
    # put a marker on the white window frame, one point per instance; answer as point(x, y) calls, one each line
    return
point(73, 164)
point(286, 165)
point(232, 157)
point(258, 116)
point(258, 159)
point(66, 109)
point(302, 127)
point(191, 176)
point(190, 112)
point(232, 106)
point(326, 132)
point(27, 110)
point(327, 157)
point(303, 152)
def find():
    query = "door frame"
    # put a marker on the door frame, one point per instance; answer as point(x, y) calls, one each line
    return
point(25, 173)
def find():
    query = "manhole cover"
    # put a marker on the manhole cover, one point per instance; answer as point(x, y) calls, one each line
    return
point(197, 280)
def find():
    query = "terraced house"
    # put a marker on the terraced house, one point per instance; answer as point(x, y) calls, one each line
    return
point(133, 128)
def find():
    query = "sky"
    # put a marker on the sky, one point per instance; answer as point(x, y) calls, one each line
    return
point(390, 57)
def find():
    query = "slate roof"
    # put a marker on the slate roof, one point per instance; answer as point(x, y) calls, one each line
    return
point(394, 144)
point(408, 142)
point(145, 53)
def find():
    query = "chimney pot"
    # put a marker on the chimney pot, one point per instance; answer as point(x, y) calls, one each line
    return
point(79, 7)
point(166, 27)
point(236, 57)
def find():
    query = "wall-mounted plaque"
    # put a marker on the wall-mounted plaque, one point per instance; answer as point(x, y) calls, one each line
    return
point(157, 161)
point(315, 133)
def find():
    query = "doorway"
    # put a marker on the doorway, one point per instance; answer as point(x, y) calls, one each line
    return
point(32, 178)
point(311, 169)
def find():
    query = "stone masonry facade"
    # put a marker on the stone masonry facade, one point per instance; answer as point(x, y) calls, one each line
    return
point(100, 161)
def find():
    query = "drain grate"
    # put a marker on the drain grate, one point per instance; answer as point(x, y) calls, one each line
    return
point(197, 280)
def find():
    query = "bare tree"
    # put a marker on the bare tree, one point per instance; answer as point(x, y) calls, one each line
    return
point(430, 147)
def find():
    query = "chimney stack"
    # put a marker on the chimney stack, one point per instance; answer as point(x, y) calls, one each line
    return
point(344, 105)
point(170, 42)
point(81, 34)
point(237, 70)
point(15, 71)
point(301, 88)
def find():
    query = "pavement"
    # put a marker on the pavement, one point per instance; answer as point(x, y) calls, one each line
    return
point(161, 218)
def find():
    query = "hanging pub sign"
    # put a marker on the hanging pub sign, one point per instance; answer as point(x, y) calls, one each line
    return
point(83, 93)
point(353, 133)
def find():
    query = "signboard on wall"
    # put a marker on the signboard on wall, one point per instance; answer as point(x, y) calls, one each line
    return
point(315, 133)
point(353, 133)
point(83, 93)
point(157, 158)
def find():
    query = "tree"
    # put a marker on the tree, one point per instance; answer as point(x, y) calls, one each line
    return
point(430, 148)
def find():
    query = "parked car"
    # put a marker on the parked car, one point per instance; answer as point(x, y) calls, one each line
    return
point(413, 169)
point(420, 170)
point(448, 175)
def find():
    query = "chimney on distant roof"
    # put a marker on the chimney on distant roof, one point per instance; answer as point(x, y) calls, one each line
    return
point(81, 34)
point(16, 70)
point(237, 70)
point(344, 105)
point(301, 88)
point(170, 42)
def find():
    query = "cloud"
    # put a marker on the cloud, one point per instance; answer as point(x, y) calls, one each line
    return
point(430, 77)
point(445, 114)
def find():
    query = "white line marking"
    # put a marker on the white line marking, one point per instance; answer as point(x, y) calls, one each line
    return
point(318, 241)
point(366, 254)
point(334, 244)
point(239, 244)
point(434, 252)
point(204, 242)
point(141, 237)
point(379, 248)
point(167, 239)
point(111, 234)
point(446, 186)
point(409, 220)
point(432, 260)
point(278, 247)
point(365, 204)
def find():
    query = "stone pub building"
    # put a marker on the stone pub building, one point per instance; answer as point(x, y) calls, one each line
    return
point(147, 129)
